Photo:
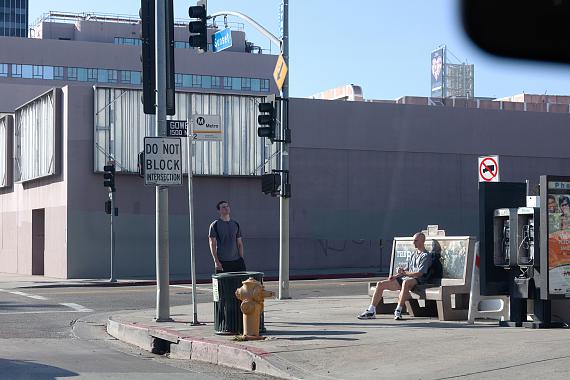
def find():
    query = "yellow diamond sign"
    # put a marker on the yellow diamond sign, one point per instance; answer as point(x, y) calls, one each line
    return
point(280, 72)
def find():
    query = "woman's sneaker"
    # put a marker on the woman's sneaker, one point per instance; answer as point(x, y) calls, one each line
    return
point(367, 314)
point(397, 315)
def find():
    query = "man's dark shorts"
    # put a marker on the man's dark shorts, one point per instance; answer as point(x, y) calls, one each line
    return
point(420, 280)
point(232, 266)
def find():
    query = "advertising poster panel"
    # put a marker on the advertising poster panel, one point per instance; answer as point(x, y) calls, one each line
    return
point(558, 209)
point(437, 72)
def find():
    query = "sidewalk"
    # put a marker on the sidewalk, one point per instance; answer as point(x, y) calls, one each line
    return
point(320, 338)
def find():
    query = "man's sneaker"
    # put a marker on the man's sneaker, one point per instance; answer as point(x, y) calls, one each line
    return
point(397, 315)
point(367, 314)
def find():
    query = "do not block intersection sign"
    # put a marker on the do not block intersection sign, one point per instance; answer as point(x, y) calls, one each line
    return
point(162, 161)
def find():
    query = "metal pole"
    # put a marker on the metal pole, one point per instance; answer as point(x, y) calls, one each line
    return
point(191, 226)
point(162, 253)
point(112, 198)
point(284, 201)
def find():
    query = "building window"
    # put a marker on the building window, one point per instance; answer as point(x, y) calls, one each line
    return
point(82, 75)
point(112, 76)
point(196, 81)
point(72, 73)
point(102, 76)
point(37, 72)
point(245, 83)
point(125, 76)
point(27, 71)
point(91, 75)
point(265, 85)
point(186, 80)
point(216, 82)
point(181, 45)
point(47, 72)
point(136, 77)
point(106, 76)
point(178, 80)
point(58, 73)
point(206, 81)
point(236, 83)
point(3, 69)
point(227, 82)
point(256, 85)
point(127, 41)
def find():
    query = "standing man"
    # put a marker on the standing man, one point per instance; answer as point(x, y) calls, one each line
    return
point(415, 272)
point(226, 244)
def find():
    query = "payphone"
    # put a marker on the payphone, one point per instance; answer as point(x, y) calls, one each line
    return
point(503, 254)
point(528, 245)
point(517, 250)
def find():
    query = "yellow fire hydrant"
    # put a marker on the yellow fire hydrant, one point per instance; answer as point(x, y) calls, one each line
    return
point(252, 294)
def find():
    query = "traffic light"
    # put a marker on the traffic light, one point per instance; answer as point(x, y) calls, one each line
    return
point(109, 177)
point(198, 29)
point(270, 184)
point(170, 75)
point(267, 119)
point(147, 15)
point(148, 58)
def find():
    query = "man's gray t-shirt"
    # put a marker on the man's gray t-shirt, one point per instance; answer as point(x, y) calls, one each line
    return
point(418, 263)
point(226, 234)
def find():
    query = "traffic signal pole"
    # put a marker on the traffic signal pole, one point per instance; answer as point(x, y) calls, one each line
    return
point(162, 245)
point(284, 199)
point(112, 199)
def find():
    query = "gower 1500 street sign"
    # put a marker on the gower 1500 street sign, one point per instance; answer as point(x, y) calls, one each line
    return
point(162, 161)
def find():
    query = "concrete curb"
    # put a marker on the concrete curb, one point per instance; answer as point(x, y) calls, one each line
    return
point(224, 353)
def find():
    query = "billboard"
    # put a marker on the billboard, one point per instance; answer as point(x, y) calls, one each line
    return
point(558, 217)
point(437, 72)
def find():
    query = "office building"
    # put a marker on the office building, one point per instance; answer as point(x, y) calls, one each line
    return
point(14, 18)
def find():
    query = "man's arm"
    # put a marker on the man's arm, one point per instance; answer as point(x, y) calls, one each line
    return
point(412, 274)
point(240, 246)
point(214, 252)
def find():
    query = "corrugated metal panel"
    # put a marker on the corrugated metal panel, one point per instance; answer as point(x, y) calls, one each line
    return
point(121, 125)
point(4, 152)
point(34, 139)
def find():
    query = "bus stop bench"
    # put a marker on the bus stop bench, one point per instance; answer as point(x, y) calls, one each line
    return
point(446, 298)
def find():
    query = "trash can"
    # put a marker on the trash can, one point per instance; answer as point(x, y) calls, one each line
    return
point(228, 318)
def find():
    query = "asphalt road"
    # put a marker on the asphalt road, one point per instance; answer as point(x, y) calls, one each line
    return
point(59, 332)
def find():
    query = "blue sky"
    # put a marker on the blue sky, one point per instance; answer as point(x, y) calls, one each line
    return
point(382, 45)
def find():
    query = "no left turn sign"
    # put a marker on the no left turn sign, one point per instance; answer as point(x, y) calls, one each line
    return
point(489, 169)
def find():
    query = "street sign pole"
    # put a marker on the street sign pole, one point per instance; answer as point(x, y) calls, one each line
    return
point(191, 226)
point(284, 161)
point(162, 246)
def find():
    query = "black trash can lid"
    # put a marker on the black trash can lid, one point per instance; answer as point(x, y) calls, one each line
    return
point(237, 274)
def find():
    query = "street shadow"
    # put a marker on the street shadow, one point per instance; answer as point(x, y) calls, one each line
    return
point(11, 305)
point(401, 323)
point(314, 334)
point(27, 369)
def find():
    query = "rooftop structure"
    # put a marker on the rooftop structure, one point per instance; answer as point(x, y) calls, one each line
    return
point(104, 50)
